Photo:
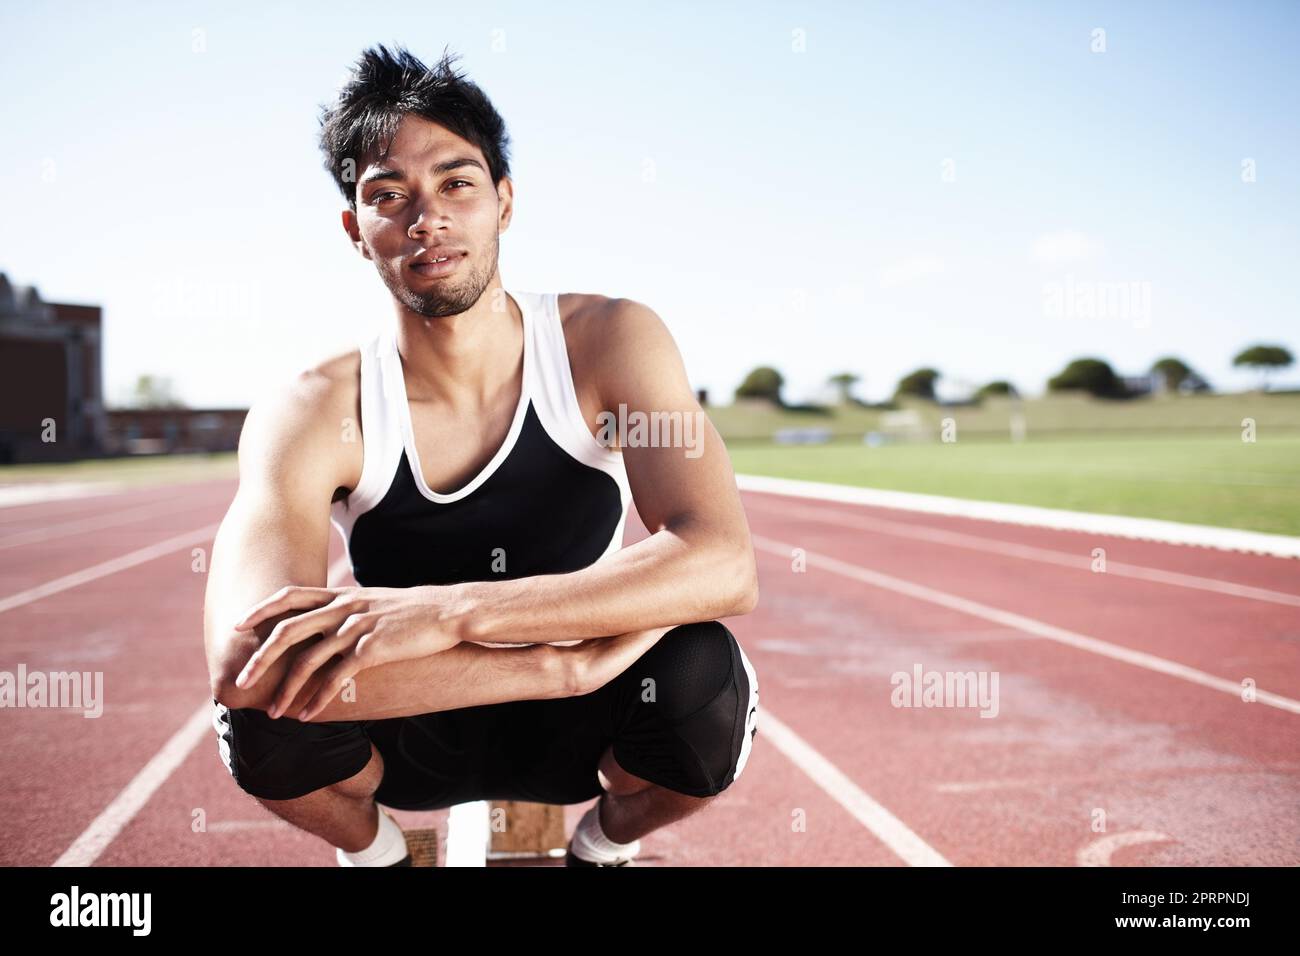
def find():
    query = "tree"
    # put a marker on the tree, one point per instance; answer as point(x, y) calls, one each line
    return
point(762, 382)
point(1175, 371)
point(1179, 376)
point(1265, 358)
point(844, 381)
point(1091, 375)
point(919, 383)
point(999, 387)
point(152, 391)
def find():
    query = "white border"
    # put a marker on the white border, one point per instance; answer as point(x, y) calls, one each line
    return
point(1147, 529)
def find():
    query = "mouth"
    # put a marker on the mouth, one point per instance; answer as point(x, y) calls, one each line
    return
point(432, 266)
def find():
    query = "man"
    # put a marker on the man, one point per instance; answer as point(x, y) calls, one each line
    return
point(502, 643)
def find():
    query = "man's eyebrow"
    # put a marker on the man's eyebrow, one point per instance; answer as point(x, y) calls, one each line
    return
point(446, 166)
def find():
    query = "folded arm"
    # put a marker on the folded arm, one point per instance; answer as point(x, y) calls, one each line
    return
point(698, 563)
point(467, 675)
point(276, 533)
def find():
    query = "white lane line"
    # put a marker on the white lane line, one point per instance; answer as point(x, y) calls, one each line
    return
point(98, 522)
point(1098, 852)
point(105, 827)
point(1082, 562)
point(890, 830)
point(105, 568)
point(37, 492)
point(1027, 625)
point(1152, 529)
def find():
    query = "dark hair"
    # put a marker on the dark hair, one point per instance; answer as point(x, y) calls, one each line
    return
point(382, 88)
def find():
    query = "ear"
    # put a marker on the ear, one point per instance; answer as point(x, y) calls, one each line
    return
point(505, 203)
point(354, 232)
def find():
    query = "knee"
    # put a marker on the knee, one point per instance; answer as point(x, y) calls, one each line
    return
point(698, 712)
point(687, 669)
point(283, 759)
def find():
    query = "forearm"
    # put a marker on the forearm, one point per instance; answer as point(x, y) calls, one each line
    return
point(466, 675)
point(666, 579)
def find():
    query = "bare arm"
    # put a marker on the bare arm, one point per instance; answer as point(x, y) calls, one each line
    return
point(276, 533)
point(697, 564)
point(467, 674)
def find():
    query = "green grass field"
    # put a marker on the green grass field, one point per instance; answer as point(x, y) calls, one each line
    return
point(1180, 458)
point(1177, 457)
point(144, 470)
point(1053, 414)
point(1215, 481)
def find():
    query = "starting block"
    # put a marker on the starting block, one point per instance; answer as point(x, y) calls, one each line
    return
point(526, 831)
point(484, 831)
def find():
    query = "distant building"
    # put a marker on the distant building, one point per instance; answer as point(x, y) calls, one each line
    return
point(173, 431)
point(51, 405)
point(51, 392)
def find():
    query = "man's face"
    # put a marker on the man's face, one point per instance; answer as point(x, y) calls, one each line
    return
point(431, 189)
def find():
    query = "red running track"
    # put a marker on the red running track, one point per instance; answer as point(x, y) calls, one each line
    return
point(1096, 755)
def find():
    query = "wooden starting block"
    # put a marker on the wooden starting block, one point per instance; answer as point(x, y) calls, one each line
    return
point(422, 844)
point(484, 831)
point(525, 831)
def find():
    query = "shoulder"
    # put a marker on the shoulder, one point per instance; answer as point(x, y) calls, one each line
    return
point(613, 328)
point(614, 342)
point(604, 315)
point(304, 423)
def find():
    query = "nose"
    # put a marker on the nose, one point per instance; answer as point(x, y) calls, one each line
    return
point(428, 218)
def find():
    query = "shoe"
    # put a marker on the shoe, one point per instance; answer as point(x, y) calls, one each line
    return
point(572, 859)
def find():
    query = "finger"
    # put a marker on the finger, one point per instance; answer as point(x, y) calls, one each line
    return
point(336, 677)
point(287, 633)
point(310, 661)
point(307, 664)
point(291, 598)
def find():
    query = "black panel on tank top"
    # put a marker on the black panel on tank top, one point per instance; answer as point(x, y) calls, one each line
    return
point(550, 513)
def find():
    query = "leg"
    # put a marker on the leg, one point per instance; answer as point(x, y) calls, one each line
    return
point(342, 813)
point(632, 807)
point(687, 718)
point(322, 778)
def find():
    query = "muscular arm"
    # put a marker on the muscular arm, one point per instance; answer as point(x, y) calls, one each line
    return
point(467, 675)
point(277, 533)
point(697, 564)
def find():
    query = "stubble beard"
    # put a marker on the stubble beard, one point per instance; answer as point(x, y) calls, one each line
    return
point(450, 296)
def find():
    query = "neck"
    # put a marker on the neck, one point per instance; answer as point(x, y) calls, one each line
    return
point(464, 360)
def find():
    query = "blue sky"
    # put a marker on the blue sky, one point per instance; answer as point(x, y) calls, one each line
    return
point(822, 187)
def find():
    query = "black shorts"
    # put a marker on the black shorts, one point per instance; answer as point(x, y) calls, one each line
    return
point(683, 717)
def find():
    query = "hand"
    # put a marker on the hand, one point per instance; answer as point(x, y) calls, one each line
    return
point(597, 661)
point(364, 626)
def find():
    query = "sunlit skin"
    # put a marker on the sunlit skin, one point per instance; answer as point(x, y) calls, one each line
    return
point(458, 333)
point(453, 331)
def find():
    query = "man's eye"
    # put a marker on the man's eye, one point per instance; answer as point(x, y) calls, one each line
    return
point(378, 196)
point(465, 181)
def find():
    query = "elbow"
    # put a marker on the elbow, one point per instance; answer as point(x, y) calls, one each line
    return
point(221, 681)
point(226, 661)
point(745, 597)
point(747, 602)
point(225, 692)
